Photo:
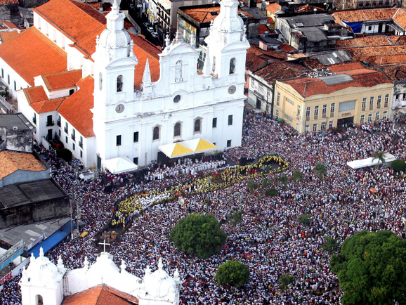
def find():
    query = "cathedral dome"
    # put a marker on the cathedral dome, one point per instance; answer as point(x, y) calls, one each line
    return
point(116, 39)
point(159, 284)
point(41, 270)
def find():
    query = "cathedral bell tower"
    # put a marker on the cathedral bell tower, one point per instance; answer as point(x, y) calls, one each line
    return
point(227, 43)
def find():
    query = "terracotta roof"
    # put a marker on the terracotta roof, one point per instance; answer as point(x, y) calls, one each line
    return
point(366, 15)
point(106, 6)
point(87, 46)
point(207, 14)
point(398, 39)
point(100, 295)
point(379, 55)
point(31, 54)
point(287, 48)
point(279, 70)
point(363, 78)
point(262, 29)
point(76, 108)
point(395, 73)
point(76, 19)
point(254, 62)
point(308, 8)
point(6, 36)
point(11, 162)
point(374, 41)
point(47, 105)
point(400, 18)
point(270, 52)
point(62, 80)
point(313, 63)
point(273, 7)
point(4, 2)
point(9, 24)
point(35, 94)
point(269, 20)
point(347, 66)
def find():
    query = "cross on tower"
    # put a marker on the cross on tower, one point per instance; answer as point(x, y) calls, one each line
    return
point(104, 245)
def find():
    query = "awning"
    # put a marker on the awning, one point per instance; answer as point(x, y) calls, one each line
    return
point(175, 150)
point(120, 165)
point(402, 111)
point(199, 145)
point(186, 148)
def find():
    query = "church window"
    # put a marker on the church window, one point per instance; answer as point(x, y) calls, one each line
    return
point(155, 134)
point(198, 125)
point(230, 120)
point(15, 85)
point(178, 71)
point(119, 83)
point(228, 143)
point(8, 79)
point(39, 300)
point(118, 140)
point(232, 66)
point(176, 130)
point(214, 125)
point(213, 69)
point(136, 135)
point(100, 81)
point(2, 73)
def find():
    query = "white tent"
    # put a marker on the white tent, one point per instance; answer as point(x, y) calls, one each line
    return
point(120, 165)
point(356, 164)
point(199, 145)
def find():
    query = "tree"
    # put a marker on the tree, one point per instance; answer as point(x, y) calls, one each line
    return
point(398, 165)
point(371, 268)
point(235, 217)
point(380, 155)
point(283, 179)
point(285, 280)
point(305, 219)
point(198, 234)
point(320, 169)
point(233, 273)
point(330, 245)
point(272, 192)
point(264, 183)
point(252, 186)
point(297, 176)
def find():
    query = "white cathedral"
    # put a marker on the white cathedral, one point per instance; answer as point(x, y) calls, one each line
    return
point(118, 96)
point(43, 283)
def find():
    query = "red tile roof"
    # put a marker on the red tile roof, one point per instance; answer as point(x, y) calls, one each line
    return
point(279, 70)
point(270, 52)
point(269, 20)
point(62, 80)
point(363, 78)
point(308, 8)
point(287, 48)
point(366, 15)
point(262, 29)
point(76, 19)
point(35, 94)
point(254, 62)
point(4, 2)
point(6, 36)
point(374, 41)
point(273, 8)
point(76, 108)
point(379, 55)
point(100, 295)
point(31, 54)
point(395, 73)
point(400, 18)
point(11, 162)
point(47, 106)
point(347, 66)
point(313, 63)
point(9, 24)
point(204, 14)
point(38, 100)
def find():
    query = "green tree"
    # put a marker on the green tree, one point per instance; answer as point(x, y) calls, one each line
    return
point(297, 176)
point(371, 268)
point(398, 165)
point(233, 273)
point(252, 186)
point(264, 183)
point(283, 179)
point(234, 217)
point(285, 280)
point(380, 155)
point(272, 192)
point(320, 169)
point(330, 245)
point(305, 219)
point(198, 234)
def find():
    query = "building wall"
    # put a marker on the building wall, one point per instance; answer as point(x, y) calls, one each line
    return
point(16, 140)
point(20, 176)
point(286, 106)
point(9, 77)
point(260, 94)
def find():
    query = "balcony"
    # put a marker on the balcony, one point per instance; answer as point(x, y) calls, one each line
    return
point(363, 108)
point(50, 123)
point(81, 144)
point(332, 115)
point(371, 107)
point(323, 116)
point(307, 119)
point(34, 120)
point(386, 105)
point(316, 117)
point(73, 137)
point(378, 106)
point(58, 123)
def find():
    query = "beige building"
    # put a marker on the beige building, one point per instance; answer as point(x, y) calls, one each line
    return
point(320, 101)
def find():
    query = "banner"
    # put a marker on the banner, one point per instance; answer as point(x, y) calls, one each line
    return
point(6, 277)
point(11, 254)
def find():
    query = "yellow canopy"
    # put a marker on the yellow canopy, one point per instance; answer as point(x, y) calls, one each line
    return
point(199, 145)
point(175, 150)
point(84, 234)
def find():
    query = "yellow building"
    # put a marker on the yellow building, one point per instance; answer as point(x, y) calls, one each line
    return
point(320, 101)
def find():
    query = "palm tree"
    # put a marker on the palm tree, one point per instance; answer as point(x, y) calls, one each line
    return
point(320, 169)
point(380, 155)
point(297, 176)
point(285, 280)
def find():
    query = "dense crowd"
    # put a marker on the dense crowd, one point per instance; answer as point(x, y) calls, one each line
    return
point(270, 240)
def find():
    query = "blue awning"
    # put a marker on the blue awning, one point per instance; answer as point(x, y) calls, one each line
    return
point(52, 240)
point(355, 26)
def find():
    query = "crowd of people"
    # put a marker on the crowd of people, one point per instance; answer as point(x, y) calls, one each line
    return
point(269, 240)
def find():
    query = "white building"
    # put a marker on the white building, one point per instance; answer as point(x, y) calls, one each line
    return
point(44, 283)
point(130, 99)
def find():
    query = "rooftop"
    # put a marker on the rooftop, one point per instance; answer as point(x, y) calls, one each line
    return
point(9, 24)
point(6, 36)
point(307, 8)
point(395, 73)
point(62, 80)
point(373, 41)
point(27, 52)
point(207, 14)
point(366, 15)
point(314, 20)
point(14, 120)
point(362, 78)
point(11, 162)
point(279, 70)
point(274, 8)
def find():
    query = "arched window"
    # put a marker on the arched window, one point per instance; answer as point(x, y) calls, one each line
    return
point(176, 130)
point(232, 65)
point(39, 300)
point(119, 83)
point(198, 125)
point(213, 68)
point(178, 71)
point(100, 81)
point(155, 135)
